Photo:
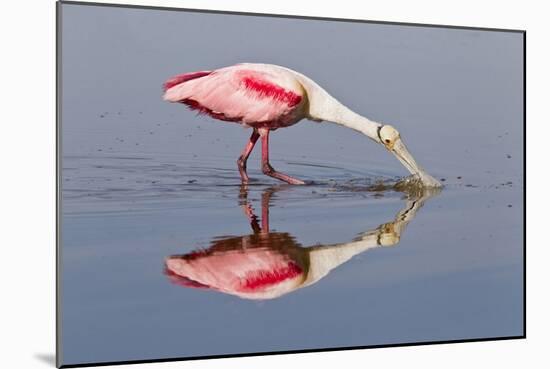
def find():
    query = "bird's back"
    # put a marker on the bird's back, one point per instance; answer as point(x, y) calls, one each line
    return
point(257, 95)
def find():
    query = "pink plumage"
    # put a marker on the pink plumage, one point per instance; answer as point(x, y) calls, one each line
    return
point(242, 266)
point(176, 80)
point(241, 94)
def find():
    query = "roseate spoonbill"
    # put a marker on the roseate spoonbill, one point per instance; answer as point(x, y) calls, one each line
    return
point(267, 97)
point(267, 265)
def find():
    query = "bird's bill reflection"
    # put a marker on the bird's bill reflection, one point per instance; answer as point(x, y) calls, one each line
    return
point(266, 265)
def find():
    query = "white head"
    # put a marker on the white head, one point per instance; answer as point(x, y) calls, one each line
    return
point(390, 138)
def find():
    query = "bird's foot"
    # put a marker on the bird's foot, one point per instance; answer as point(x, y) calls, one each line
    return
point(293, 181)
point(269, 171)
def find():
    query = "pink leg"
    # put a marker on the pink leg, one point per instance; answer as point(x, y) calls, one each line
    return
point(267, 168)
point(266, 197)
point(247, 208)
point(241, 162)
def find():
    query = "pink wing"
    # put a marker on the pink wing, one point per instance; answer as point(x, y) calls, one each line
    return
point(236, 94)
point(250, 273)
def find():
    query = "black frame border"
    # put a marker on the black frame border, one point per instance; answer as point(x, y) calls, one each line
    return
point(58, 152)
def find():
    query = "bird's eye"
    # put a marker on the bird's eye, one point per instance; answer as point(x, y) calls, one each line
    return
point(387, 140)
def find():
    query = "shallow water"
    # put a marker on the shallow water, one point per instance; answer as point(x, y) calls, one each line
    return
point(347, 260)
point(455, 272)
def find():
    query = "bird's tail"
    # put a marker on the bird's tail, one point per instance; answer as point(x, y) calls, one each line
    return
point(181, 78)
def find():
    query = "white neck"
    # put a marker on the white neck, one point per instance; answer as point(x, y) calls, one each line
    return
point(324, 107)
point(323, 259)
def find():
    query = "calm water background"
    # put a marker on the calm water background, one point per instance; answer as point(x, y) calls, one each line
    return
point(143, 179)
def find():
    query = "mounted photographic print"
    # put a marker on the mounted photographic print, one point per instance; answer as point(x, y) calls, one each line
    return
point(242, 184)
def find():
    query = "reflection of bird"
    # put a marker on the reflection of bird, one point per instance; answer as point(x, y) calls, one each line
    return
point(267, 97)
point(266, 265)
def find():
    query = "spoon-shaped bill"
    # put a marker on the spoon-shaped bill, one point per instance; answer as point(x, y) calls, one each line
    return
point(404, 156)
